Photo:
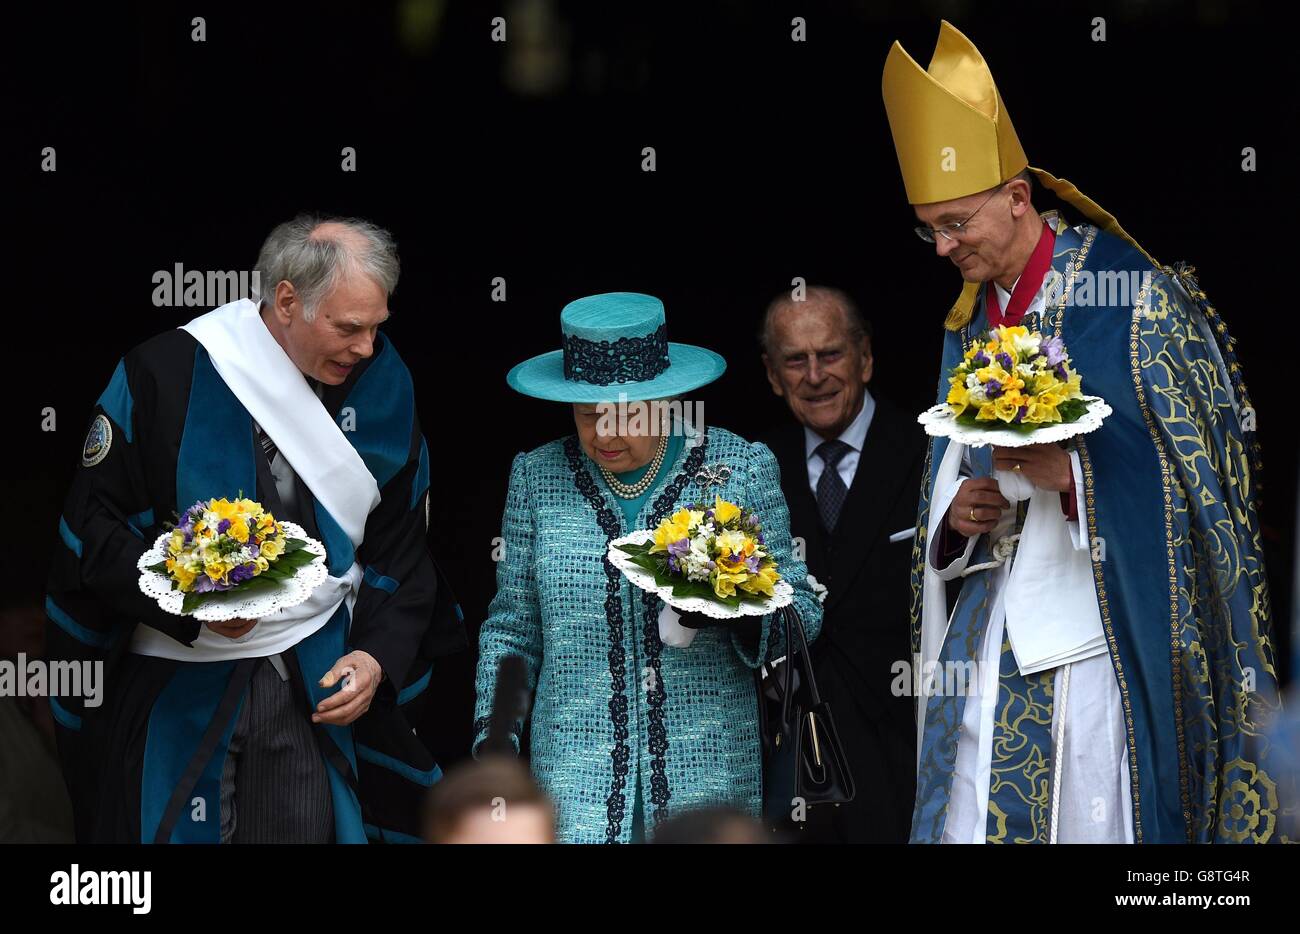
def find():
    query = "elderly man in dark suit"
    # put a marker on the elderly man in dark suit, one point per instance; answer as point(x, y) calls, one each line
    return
point(851, 472)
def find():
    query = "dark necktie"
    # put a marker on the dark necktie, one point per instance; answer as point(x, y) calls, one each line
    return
point(831, 491)
point(268, 447)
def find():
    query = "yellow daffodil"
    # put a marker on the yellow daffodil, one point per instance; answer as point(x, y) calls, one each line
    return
point(1006, 407)
point(724, 583)
point(184, 575)
point(958, 396)
point(763, 582)
point(1040, 413)
point(223, 509)
point(672, 529)
point(723, 511)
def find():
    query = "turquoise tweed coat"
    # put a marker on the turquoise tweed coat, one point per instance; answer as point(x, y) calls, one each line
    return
point(614, 709)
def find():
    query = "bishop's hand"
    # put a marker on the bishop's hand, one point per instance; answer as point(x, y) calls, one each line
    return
point(976, 507)
point(1046, 466)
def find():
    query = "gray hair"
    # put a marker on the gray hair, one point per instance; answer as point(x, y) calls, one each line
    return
point(859, 326)
point(314, 262)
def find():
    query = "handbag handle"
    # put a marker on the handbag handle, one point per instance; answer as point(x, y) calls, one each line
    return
point(811, 679)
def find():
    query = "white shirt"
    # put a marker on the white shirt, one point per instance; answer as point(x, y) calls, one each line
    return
point(854, 436)
point(1004, 297)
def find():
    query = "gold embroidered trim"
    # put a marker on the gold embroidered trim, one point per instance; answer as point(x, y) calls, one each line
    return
point(1166, 480)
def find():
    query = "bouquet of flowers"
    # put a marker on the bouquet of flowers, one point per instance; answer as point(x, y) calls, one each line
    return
point(222, 547)
point(1014, 382)
point(710, 559)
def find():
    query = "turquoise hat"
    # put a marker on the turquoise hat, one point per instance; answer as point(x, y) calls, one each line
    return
point(615, 344)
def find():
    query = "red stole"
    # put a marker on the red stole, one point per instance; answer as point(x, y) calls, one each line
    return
point(1026, 286)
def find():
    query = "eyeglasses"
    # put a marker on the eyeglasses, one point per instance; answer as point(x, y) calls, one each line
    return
point(951, 231)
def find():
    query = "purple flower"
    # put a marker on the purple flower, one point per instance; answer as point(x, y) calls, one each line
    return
point(679, 547)
point(981, 359)
point(751, 564)
point(1054, 349)
point(222, 526)
point(241, 573)
point(204, 584)
point(1004, 358)
point(992, 389)
point(673, 565)
point(1060, 372)
point(1020, 413)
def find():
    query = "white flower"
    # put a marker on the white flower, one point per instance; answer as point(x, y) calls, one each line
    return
point(1026, 343)
point(695, 563)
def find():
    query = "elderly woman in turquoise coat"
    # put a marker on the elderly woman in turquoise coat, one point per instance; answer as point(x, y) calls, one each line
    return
point(626, 730)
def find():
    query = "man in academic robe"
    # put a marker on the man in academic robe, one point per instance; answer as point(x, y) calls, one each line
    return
point(850, 467)
point(1108, 660)
point(291, 727)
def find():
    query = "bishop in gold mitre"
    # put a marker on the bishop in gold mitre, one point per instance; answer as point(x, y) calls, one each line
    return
point(1107, 667)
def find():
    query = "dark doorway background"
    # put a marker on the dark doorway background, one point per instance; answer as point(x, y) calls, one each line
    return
point(523, 160)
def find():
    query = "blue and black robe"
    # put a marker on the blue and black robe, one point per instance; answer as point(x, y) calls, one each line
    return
point(167, 431)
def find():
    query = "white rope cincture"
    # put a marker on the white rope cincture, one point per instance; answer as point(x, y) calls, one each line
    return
point(1058, 748)
point(1003, 549)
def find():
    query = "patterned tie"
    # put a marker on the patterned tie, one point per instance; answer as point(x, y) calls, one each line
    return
point(268, 447)
point(831, 491)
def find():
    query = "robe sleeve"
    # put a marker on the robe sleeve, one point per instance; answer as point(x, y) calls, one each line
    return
point(513, 624)
point(951, 551)
point(1202, 415)
point(764, 497)
point(108, 522)
point(399, 613)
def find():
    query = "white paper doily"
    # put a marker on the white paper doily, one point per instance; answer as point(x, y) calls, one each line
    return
point(939, 422)
point(702, 605)
point(225, 606)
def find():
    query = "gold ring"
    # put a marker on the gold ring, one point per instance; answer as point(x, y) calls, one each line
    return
point(1016, 467)
point(972, 515)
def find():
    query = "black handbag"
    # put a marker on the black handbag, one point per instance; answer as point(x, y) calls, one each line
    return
point(803, 761)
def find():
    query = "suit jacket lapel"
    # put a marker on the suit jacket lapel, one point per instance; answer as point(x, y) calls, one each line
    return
point(868, 502)
point(805, 520)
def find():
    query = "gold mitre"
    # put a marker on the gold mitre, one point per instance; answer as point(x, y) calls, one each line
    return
point(954, 138)
point(950, 127)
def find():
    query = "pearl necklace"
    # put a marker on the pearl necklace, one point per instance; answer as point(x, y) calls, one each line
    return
point(634, 490)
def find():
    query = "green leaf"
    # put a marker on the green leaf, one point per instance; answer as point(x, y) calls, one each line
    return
point(648, 563)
